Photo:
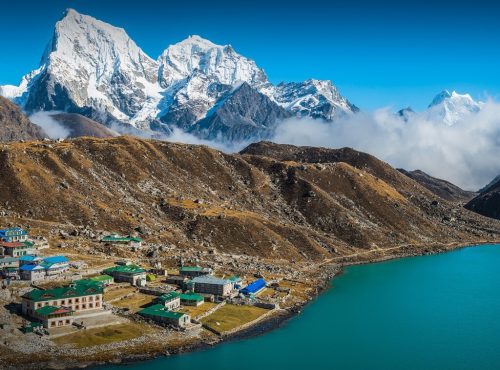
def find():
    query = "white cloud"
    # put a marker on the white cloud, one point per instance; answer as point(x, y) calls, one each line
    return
point(50, 126)
point(465, 153)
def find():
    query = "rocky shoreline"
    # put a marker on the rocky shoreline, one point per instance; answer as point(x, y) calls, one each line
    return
point(328, 270)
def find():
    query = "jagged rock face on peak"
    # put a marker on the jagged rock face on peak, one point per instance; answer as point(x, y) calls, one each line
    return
point(181, 60)
point(96, 70)
point(241, 114)
point(14, 125)
point(313, 98)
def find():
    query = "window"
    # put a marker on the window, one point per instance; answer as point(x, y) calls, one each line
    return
point(77, 307)
point(54, 303)
point(70, 301)
point(67, 322)
point(97, 304)
point(53, 323)
point(77, 300)
point(84, 306)
point(63, 302)
point(97, 297)
point(91, 298)
point(38, 305)
point(91, 305)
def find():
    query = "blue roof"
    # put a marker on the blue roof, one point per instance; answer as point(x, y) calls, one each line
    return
point(30, 267)
point(12, 229)
point(55, 259)
point(254, 287)
point(29, 258)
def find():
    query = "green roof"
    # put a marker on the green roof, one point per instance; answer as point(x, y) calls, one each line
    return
point(49, 310)
point(78, 290)
point(168, 296)
point(159, 310)
point(101, 278)
point(28, 244)
point(191, 297)
point(191, 268)
point(120, 239)
point(127, 269)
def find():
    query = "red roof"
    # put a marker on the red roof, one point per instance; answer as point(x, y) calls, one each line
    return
point(13, 245)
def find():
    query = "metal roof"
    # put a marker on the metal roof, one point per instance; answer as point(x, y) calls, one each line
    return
point(209, 279)
point(160, 311)
point(31, 267)
point(38, 295)
point(190, 296)
point(55, 259)
point(127, 269)
point(52, 310)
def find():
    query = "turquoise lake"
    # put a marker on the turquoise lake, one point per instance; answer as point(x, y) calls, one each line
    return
point(430, 312)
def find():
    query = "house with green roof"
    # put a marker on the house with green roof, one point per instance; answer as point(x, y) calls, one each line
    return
point(54, 317)
point(161, 314)
point(194, 271)
point(170, 300)
point(99, 281)
point(192, 299)
point(126, 240)
point(77, 297)
point(132, 274)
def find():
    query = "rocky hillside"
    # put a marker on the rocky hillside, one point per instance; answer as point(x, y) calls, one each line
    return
point(271, 200)
point(14, 125)
point(78, 125)
point(441, 188)
point(487, 203)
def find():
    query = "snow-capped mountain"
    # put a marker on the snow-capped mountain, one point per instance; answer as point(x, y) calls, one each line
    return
point(179, 61)
point(314, 98)
point(450, 108)
point(97, 70)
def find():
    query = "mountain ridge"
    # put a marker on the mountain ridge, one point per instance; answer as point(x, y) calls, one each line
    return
point(95, 69)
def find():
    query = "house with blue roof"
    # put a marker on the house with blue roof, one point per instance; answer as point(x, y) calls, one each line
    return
point(30, 259)
point(32, 272)
point(38, 268)
point(13, 234)
point(254, 287)
point(55, 265)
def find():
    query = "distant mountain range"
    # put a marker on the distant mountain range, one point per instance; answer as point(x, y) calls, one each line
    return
point(94, 69)
point(97, 70)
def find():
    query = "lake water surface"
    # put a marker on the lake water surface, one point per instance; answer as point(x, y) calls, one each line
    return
point(431, 312)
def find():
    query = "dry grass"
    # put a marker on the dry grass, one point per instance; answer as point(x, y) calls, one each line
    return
point(135, 302)
point(231, 316)
point(194, 312)
point(109, 334)
point(118, 292)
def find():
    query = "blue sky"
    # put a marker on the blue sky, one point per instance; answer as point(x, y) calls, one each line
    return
point(378, 53)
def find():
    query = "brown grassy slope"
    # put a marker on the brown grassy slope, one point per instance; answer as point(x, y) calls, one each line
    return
point(14, 125)
point(198, 197)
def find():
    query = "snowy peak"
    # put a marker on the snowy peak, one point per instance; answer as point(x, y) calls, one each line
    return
point(316, 98)
point(196, 53)
point(452, 107)
point(439, 98)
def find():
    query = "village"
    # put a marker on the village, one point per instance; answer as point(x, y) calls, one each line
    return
point(85, 298)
